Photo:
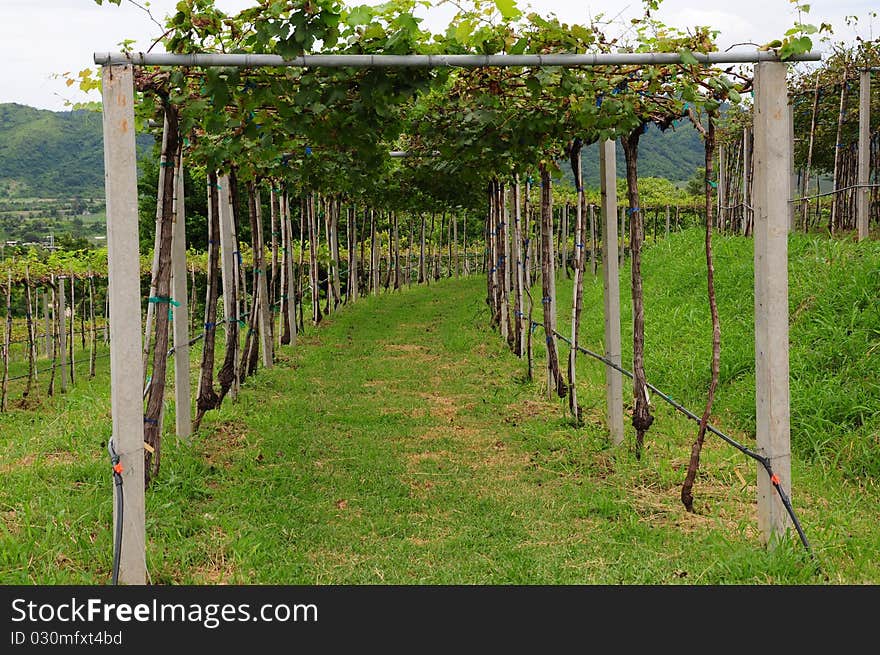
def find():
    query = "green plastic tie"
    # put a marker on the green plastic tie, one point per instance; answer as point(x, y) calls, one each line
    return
point(156, 300)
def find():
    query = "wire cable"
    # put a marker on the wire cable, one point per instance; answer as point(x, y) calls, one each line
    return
point(764, 461)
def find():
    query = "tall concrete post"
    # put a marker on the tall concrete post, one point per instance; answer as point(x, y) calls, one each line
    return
point(771, 192)
point(610, 271)
point(126, 379)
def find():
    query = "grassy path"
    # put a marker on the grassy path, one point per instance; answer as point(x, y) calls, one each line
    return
point(396, 444)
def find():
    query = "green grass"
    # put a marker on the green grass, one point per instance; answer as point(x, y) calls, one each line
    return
point(400, 443)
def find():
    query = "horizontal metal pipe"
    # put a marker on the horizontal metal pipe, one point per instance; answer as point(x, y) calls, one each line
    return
point(397, 154)
point(437, 61)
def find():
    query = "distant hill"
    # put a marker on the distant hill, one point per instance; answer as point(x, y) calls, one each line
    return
point(52, 154)
point(675, 155)
point(60, 154)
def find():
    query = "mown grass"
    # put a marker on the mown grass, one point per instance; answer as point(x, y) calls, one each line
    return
point(401, 443)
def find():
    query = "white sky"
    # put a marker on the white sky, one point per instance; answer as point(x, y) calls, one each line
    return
point(40, 39)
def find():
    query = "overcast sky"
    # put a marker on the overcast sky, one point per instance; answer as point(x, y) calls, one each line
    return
point(40, 39)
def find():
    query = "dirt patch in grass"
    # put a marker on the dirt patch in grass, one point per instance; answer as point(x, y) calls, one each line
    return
point(432, 434)
point(414, 459)
point(218, 568)
point(222, 445)
point(662, 506)
point(11, 522)
point(442, 407)
point(522, 409)
point(27, 403)
point(405, 347)
point(57, 458)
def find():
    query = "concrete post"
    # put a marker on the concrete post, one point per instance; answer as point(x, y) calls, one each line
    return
point(62, 329)
point(613, 378)
point(227, 266)
point(126, 379)
point(265, 311)
point(862, 202)
point(180, 313)
point(771, 194)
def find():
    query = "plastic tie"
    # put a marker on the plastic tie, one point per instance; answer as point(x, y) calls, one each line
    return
point(151, 421)
point(157, 300)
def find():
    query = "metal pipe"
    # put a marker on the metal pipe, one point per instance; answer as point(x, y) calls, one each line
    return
point(399, 154)
point(437, 61)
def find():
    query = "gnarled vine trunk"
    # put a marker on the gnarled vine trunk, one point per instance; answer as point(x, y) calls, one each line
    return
point(687, 497)
point(548, 286)
point(162, 299)
point(641, 418)
point(207, 398)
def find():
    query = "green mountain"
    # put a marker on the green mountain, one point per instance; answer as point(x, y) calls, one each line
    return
point(60, 154)
point(51, 154)
point(674, 155)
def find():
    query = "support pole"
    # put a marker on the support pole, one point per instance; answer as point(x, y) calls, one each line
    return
point(164, 169)
point(722, 181)
point(593, 239)
point(771, 216)
point(180, 313)
point(792, 173)
point(613, 378)
point(126, 379)
point(265, 311)
point(862, 203)
point(227, 264)
point(62, 329)
point(46, 326)
point(747, 212)
point(288, 264)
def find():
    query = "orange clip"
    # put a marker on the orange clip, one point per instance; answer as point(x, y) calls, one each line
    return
point(774, 479)
point(117, 468)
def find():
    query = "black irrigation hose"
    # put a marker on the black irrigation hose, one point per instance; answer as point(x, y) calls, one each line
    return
point(117, 481)
point(764, 461)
